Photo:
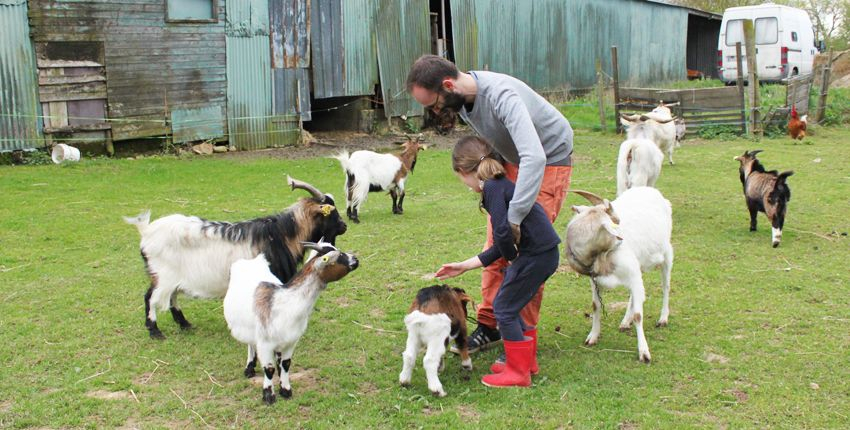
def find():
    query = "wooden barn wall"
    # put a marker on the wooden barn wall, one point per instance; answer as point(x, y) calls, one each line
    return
point(153, 67)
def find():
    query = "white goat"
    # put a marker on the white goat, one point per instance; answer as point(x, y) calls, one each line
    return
point(367, 171)
point(271, 317)
point(639, 161)
point(613, 243)
point(190, 255)
point(663, 129)
point(437, 314)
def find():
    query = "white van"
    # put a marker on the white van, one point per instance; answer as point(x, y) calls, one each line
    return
point(785, 42)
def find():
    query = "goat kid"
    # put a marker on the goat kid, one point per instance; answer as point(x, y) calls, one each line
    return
point(191, 255)
point(367, 171)
point(270, 317)
point(613, 243)
point(437, 314)
point(766, 192)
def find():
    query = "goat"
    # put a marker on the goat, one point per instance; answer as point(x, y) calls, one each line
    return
point(613, 243)
point(681, 129)
point(765, 192)
point(270, 317)
point(639, 161)
point(193, 256)
point(437, 314)
point(367, 171)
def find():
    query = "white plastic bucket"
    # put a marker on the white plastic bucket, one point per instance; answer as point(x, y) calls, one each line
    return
point(63, 152)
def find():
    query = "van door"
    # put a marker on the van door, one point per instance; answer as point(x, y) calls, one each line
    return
point(769, 48)
point(731, 34)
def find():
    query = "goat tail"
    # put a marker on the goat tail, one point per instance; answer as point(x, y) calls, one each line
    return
point(429, 325)
point(343, 158)
point(141, 221)
point(784, 175)
point(624, 160)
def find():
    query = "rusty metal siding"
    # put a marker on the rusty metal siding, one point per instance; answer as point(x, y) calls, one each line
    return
point(152, 66)
point(403, 35)
point(360, 41)
point(286, 93)
point(19, 122)
point(553, 44)
point(290, 33)
point(328, 52)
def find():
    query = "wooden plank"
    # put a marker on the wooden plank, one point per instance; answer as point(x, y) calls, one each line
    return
point(81, 91)
point(81, 127)
point(62, 80)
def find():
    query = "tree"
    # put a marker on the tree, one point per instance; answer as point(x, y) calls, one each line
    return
point(830, 19)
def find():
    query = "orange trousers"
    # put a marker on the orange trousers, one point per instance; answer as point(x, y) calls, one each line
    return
point(553, 191)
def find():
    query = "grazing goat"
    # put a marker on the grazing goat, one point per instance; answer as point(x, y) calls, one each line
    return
point(191, 255)
point(639, 161)
point(437, 314)
point(765, 192)
point(367, 171)
point(270, 317)
point(613, 243)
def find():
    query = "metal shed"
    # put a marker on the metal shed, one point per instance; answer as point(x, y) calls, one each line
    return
point(19, 113)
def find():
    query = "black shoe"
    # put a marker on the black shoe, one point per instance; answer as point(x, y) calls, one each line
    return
point(482, 338)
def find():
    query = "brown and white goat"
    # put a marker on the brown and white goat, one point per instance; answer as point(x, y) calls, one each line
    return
point(270, 317)
point(437, 314)
point(765, 192)
point(367, 171)
point(191, 255)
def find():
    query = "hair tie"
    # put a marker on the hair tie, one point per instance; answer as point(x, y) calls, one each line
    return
point(482, 158)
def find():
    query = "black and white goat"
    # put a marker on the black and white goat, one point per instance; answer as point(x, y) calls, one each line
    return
point(270, 316)
point(765, 192)
point(191, 255)
point(613, 243)
point(367, 171)
point(437, 314)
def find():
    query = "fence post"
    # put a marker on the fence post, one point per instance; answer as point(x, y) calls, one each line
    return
point(752, 66)
point(600, 88)
point(824, 88)
point(616, 76)
point(740, 83)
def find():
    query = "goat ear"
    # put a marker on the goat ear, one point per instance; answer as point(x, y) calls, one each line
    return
point(613, 229)
point(625, 122)
point(579, 208)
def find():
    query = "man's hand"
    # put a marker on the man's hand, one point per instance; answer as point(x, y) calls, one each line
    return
point(516, 233)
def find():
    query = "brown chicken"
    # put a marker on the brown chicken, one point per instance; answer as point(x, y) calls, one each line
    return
point(796, 125)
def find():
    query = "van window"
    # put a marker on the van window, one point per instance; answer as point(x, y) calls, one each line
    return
point(767, 31)
point(734, 32)
point(793, 36)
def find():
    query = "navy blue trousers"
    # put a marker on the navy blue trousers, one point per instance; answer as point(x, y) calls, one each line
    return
point(522, 279)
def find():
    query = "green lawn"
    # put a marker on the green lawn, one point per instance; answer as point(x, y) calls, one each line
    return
point(758, 337)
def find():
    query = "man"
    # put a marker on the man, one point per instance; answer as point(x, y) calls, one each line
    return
point(533, 138)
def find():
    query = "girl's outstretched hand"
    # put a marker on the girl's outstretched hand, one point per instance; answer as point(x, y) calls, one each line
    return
point(450, 270)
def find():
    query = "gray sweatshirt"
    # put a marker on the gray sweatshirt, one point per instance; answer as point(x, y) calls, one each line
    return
point(524, 129)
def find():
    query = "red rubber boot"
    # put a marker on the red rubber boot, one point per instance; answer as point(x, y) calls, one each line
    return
point(499, 366)
point(519, 355)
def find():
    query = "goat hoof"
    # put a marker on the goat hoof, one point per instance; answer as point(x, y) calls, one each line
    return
point(661, 324)
point(405, 384)
point(753, 229)
point(590, 342)
point(355, 220)
point(268, 396)
point(187, 326)
point(156, 334)
point(775, 244)
point(624, 328)
point(286, 393)
point(439, 393)
point(645, 358)
point(250, 372)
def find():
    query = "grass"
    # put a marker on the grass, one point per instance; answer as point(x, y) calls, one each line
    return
point(758, 337)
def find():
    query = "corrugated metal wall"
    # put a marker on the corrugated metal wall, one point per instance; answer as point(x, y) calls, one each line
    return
point(152, 67)
point(290, 23)
point(404, 34)
point(552, 44)
point(19, 122)
point(329, 55)
point(249, 77)
point(359, 40)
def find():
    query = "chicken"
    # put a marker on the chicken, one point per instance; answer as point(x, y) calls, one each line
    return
point(796, 125)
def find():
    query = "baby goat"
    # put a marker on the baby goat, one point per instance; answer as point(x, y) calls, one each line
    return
point(367, 171)
point(613, 242)
point(191, 255)
point(270, 317)
point(437, 314)
point(639, 161)
point(765, 192)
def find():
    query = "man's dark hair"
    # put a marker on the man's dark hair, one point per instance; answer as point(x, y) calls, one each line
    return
point(429, 71)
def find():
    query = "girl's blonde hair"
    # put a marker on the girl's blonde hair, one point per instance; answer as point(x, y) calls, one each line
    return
point(473, 154)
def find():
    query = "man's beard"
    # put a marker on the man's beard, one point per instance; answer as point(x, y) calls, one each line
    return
point(453, 101)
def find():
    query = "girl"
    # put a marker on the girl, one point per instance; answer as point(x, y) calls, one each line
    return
point(532, 250)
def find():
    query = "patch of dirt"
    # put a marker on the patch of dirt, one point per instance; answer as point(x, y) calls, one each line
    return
point(740, 396)
point(130, 424)
point(109, 395)
point(716, 358)
point(377, 313)
point(343, 302)
point(301, 380)
point(328, 143)
point(627, 425)
point(6, 406)
point(617, 306)
point(839, 76)
point(468, 413)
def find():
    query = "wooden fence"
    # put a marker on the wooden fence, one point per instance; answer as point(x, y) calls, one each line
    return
point(699, 107)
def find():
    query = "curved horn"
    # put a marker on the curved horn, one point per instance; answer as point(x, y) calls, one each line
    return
point(592, 198)
point(295, 183)
point(753, 153)
point(656, 118)
point(629, 117)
